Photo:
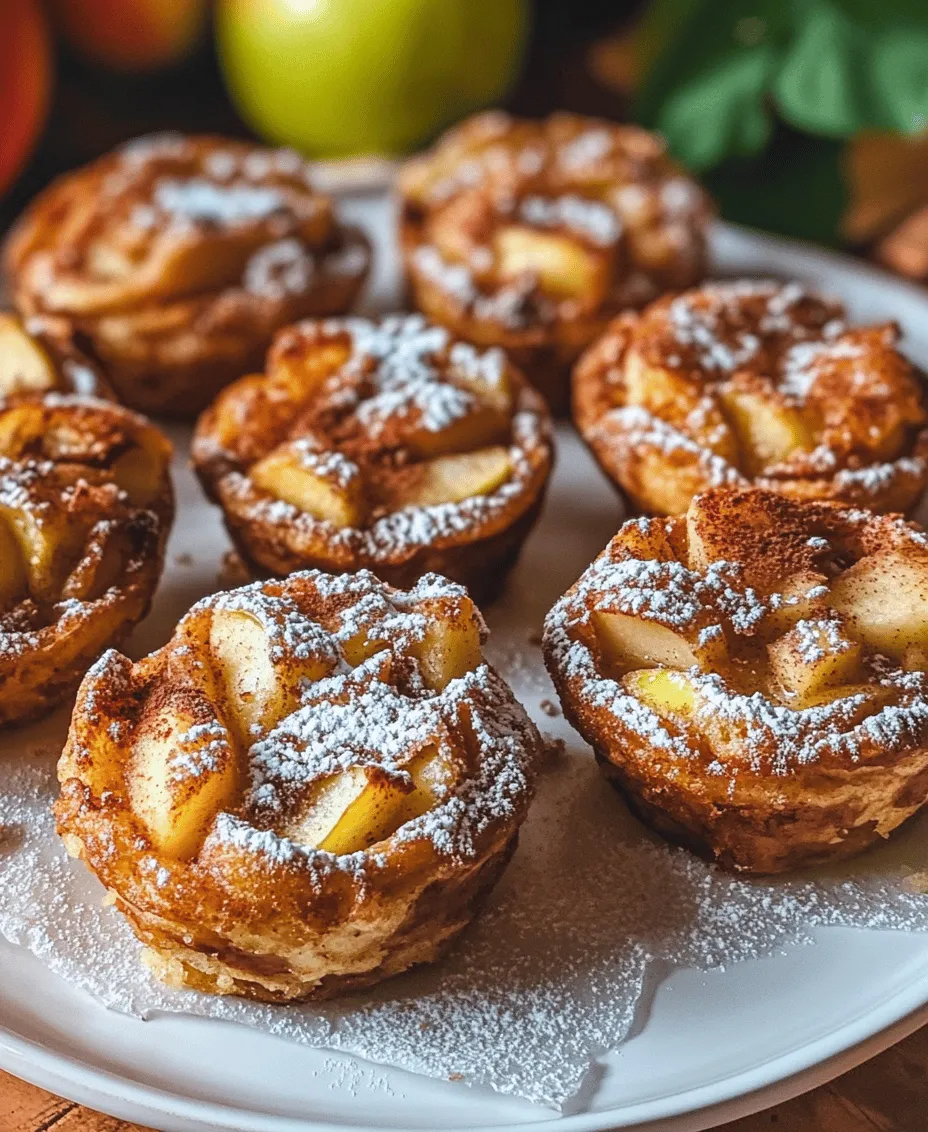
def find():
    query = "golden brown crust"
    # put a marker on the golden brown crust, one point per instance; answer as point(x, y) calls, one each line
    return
point(85, 510)
point(626, 226)
point(748, 679)
point(275, 891)
point(384, 420)
point(177, 258)
point(753, 382)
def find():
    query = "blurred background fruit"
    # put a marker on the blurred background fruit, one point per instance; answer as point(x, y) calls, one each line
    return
point(344, 77)
point(25, 83)
point(805, 117)
point(131, 35)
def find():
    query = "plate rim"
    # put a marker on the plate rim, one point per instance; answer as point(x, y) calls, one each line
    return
point(690, 1110)
point(745, 1092)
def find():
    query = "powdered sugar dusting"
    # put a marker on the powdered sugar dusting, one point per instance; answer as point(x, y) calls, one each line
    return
point(754, 728)
point(589, 219)
point(200, 201)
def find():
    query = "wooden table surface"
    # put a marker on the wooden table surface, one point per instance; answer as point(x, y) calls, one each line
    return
point(887, 1094)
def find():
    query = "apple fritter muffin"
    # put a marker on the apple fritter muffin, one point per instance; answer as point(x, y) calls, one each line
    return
point(753, 382)
point(40, 355)
point(752, 675)
point(385, 446)
point(177, 258)
point(534, 235)
point(310, 788)
point(85, 509)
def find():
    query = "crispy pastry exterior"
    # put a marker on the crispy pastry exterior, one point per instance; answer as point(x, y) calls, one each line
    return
point(177, 258)
point(384, 446)
point(85, 509)
point(310, 788)
point(752, 676)
point(753, 382)
point(534, 235)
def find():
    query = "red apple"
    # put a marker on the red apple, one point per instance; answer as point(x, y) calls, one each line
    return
point(131, 35)
point(25, 83)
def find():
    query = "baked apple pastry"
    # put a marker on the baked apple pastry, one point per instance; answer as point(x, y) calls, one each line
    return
point(384, 446)
point(533, 235)
point(753, 382)
point(176, 258)
point(85, 509)
point(752, 675)
point(41, 355)
point(310, 788)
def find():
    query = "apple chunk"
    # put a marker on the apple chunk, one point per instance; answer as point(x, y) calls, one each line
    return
point(483, 426)
point(25, 367)
point(323, 484)
point(14, 583)
point(768, 431)
point(260, 688)
point(814, 655)
point(666, 692)
point(681, 402)
point(50, 544)
point(563, 267)
point(140, 470)
point(351, 811)
point(802, 596)
point(451, 479)
point(885, 596)
point(451, 646)
point(633, 642)
point(182, 774)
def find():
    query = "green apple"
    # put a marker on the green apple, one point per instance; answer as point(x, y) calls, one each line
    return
point(336, 78)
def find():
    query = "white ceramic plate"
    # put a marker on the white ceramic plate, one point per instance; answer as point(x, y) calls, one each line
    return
point(708, 1047)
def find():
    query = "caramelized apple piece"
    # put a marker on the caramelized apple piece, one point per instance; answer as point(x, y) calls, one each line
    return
point(50, 542)
point(451, 646)
point(25, 367)
point(666, 692)
point(885, 596)
point(322, 484)
point(261, 687)
point(139, 471)
point(350, 812)
point(486, 374)
point(814, 655)
point(300, 370)
point(563, 267)
point(484, 426)
point(768, 430)
point(19, 427)
point(802, 596)
point(14, 582)
point(681, 403)
point(450, 479)
point(183, 773)
point(633, 642)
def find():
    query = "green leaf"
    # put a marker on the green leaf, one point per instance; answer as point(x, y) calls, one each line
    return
point(717, 71)
point(819, 86)
point(900, 78)
point(706, 89)
point(721, 112)
point(850, 68)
